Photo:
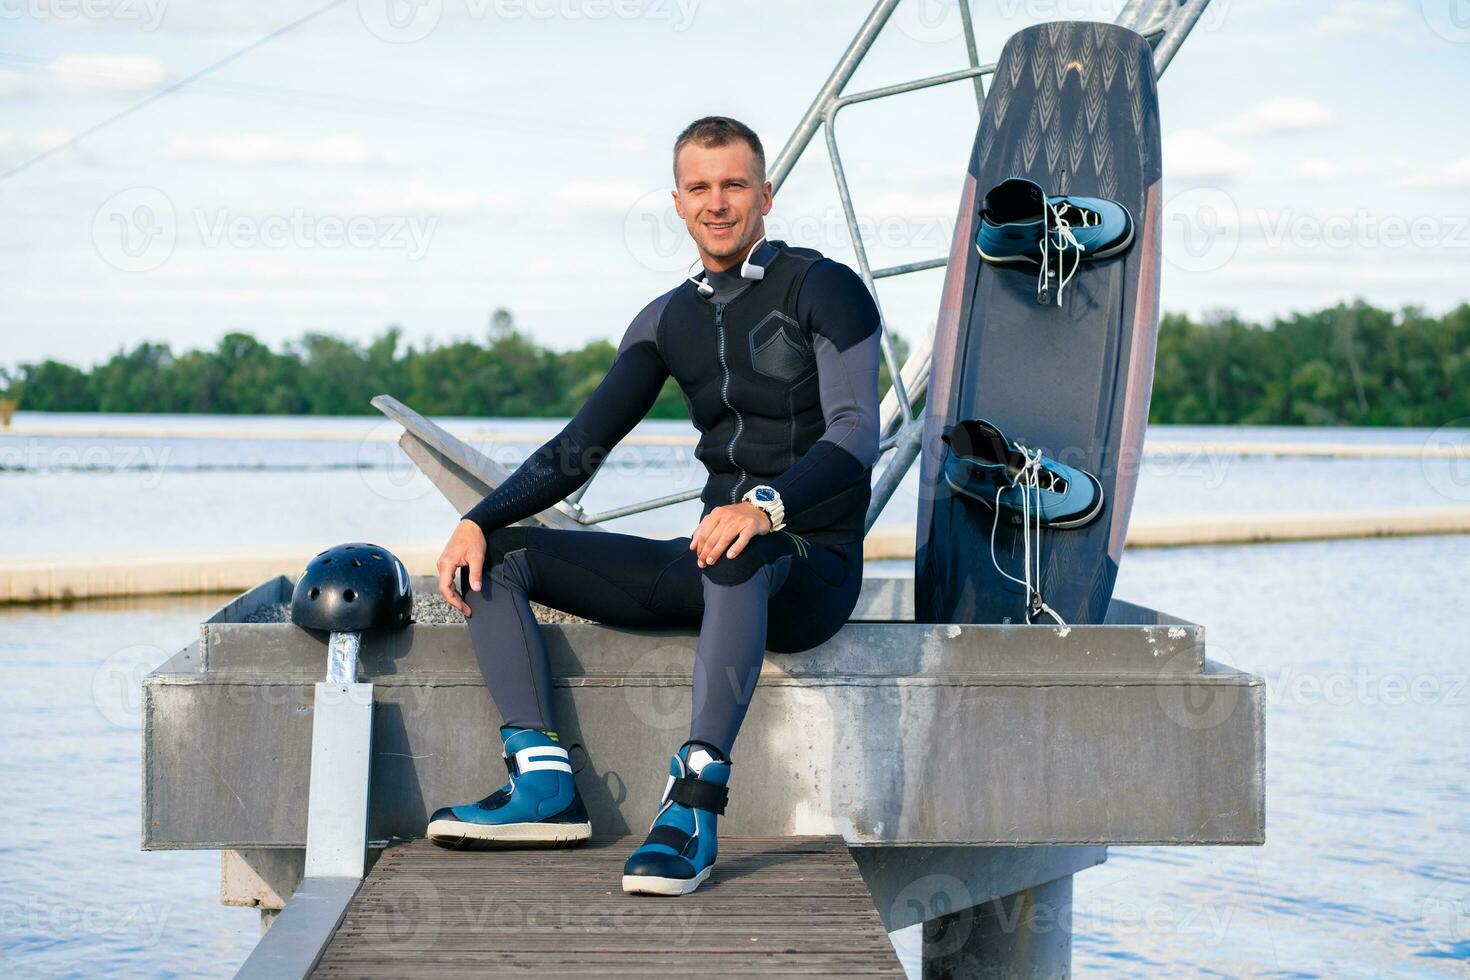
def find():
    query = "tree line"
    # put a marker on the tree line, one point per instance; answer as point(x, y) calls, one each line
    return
point(1347, 365)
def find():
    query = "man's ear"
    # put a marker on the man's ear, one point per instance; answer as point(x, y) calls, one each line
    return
point(678, 204)
point(766, 196)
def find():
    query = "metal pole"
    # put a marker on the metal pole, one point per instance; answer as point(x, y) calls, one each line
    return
point(1179, 28)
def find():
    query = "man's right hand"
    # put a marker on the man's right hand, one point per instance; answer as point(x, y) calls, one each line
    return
point(466, 548)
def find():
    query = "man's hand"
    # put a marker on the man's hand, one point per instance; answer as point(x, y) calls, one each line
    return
point(466, 547)
point(736, 523)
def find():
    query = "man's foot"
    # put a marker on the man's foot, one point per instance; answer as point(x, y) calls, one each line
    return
point(983, 465)
point(1012, 221)
point(681, 845)
point(539, 807)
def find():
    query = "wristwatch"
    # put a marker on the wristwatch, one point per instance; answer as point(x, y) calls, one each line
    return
point(767, 499)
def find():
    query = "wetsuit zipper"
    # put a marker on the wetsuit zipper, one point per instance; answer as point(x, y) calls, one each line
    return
point(725, 394)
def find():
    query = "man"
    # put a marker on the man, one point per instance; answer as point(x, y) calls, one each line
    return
point(776, 351)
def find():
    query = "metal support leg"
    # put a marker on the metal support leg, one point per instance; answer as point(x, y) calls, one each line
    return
point(1027, 934)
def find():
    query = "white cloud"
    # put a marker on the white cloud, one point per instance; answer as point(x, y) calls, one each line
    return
point(906, 204)
point(1279, 116)
point(1316, 170)
point(1374, 18)
point(108, 72)
point(417, 198)
point(255, 149)
point(1453, 176)
point(597, 197)
point(1194, 153)
point(13, 84)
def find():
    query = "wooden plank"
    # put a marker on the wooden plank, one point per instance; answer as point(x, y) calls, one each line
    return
point(773, 906)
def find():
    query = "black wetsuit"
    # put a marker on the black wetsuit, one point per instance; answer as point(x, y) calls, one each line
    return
point(780, 375)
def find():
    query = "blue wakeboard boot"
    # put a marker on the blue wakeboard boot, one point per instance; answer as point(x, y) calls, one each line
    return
point(681, 846)
point(1099, 228)
point(1013, 219)
point(982, 464)
point(539, 807)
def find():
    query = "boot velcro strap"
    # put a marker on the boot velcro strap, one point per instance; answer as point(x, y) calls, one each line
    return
point(510, 765)
point(700, 794)
point(669, 837)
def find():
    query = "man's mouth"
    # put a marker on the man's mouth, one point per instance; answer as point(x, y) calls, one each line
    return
point(719, 226)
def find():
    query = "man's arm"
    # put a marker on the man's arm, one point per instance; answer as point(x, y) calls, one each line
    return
point(570, 458)
point(845, 338)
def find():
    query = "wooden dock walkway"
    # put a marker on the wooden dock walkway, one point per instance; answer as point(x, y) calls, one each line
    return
point(773, 906)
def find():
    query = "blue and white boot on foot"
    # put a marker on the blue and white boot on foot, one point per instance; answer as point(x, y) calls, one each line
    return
point(681, 846)
point(539, 807)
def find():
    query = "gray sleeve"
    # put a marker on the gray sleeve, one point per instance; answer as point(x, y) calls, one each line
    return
point(845, 339)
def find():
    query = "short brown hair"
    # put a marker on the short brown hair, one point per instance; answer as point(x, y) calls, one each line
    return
point(710, 131)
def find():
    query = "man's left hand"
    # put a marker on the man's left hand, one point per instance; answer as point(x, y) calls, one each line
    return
point(726, 530)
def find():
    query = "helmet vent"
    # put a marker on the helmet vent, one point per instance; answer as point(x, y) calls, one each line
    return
point(314, 593)
point(349, 595)
point(356, 563)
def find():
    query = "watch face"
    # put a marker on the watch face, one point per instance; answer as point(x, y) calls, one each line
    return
point(765, 494)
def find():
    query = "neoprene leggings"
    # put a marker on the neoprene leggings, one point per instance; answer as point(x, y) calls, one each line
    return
point(782, 593)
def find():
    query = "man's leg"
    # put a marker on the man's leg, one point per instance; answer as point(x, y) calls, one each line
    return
point(619, 579)
point(732, 636)
point(781, 593)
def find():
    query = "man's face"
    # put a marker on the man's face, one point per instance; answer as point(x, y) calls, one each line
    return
point(722, 200)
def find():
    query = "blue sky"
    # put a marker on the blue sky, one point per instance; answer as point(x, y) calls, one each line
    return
point(422, 163)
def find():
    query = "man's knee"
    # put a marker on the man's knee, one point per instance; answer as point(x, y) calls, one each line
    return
point(752, 559)
point(505, 551)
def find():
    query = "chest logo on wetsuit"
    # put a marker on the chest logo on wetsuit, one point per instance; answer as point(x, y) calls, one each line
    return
point(779, 350)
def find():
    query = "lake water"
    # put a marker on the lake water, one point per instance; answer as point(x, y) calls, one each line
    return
point(1364, 646)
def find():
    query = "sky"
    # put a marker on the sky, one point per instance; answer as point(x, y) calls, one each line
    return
point(342, 167)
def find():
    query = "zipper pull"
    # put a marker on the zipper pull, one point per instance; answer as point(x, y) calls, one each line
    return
point(719, 314)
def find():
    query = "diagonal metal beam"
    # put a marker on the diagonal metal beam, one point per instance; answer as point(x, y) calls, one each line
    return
point(461, 473)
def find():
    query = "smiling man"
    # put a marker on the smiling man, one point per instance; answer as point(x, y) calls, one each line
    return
point(776, 351)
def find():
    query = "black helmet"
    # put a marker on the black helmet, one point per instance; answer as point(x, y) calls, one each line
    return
point(351, 588)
